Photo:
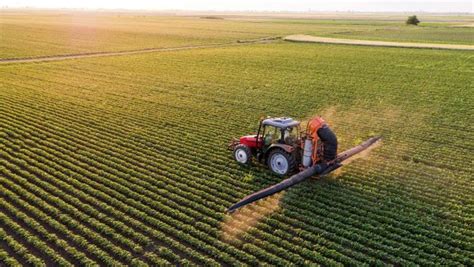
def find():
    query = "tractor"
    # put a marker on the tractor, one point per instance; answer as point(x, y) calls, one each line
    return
point(284, 148)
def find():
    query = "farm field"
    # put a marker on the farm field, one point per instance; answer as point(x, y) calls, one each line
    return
point(329, 40)
point(123, 160)
point(42, 33)
point(434, 33)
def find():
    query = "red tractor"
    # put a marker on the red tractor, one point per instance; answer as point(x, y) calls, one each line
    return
point(284, 148)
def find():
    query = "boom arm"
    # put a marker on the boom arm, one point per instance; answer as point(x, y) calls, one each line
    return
point(318, 169)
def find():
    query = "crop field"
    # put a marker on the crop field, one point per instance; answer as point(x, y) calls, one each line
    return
point(123, 160)
point(35, 34)
point(431, 34)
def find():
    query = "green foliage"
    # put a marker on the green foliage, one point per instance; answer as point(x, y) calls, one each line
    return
point(123, 160)
point(412, 20)
point(248, 177)
point(46, 33)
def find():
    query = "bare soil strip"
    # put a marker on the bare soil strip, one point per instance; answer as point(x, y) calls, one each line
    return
point(315, 39)
point(470, 25)
point(131, 52)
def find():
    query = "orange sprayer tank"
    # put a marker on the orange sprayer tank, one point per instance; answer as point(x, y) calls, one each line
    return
point(312, 134)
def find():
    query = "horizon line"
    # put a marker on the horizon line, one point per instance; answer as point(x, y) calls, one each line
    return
point(228, 11)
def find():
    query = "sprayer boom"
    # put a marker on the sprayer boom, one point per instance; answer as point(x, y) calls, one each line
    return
point(341, 157)
point(315, 170)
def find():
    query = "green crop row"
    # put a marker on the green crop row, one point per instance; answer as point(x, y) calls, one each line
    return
point(19, 249)
point(102, 164)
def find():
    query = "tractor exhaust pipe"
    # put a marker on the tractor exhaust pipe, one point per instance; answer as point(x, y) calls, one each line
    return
point(318, 169)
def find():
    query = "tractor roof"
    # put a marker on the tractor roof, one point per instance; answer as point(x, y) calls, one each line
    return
point(282, 122)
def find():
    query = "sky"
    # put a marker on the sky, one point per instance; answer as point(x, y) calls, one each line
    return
point(254, 5)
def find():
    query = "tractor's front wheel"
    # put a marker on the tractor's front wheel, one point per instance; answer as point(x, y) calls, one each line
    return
point(280, 162)
point(242, 154)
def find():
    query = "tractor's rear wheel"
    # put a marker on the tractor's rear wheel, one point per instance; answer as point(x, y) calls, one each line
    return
point(242, 154)
point(281, 162)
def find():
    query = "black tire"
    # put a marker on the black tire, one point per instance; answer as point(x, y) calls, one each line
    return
point(242, 155)
point(277, 159)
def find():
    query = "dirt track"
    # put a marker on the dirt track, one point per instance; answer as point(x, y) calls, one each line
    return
point(129, 52)
point(315, 39)
point(292, 38)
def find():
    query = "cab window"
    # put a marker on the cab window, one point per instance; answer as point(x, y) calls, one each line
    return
point(290, 135)
point(271, 135)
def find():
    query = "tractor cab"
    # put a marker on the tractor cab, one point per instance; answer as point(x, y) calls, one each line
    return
point(277, 143)
point(283, 131)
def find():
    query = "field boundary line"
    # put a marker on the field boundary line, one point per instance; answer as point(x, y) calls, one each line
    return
point(132, 52)
point(327, 40)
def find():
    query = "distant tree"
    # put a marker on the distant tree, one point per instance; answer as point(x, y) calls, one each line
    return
point(211, 17)
point(412, 20)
